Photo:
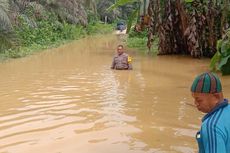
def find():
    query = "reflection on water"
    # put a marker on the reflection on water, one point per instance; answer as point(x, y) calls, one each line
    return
point(67, 100)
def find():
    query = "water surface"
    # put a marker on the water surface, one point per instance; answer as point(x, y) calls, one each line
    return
point(67, 100)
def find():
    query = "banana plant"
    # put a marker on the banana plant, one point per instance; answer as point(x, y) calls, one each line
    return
point(221, 60)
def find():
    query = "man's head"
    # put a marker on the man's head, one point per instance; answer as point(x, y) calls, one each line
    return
point(206, 91)
point(120, 49)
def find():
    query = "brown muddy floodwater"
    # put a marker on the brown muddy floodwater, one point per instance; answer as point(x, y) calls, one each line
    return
point(67, 100)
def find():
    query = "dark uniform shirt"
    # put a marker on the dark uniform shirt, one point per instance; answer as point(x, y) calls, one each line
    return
point(120, 62)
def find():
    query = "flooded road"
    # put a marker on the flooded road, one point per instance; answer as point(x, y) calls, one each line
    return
point(67, 100)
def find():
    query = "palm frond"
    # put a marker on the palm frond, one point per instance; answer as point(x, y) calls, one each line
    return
point(4, 4)
point(8, 40)
point(5, 23)
point(70, 10)
point(131, 19)
point(120, 3)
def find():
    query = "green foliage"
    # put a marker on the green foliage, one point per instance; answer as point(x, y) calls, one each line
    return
point(5, 23)
point(134, 13)
point(131, 19)
point(142, 34)
point(49, 32)
point(188, 1)
point(7, 40)
point(44, 24)
point(221, 60)
point(214, 61)
point(70, 11)
point(140, 44)
point(98, 28)
point(136, 42)
point(121, 3)
point(139, 40)
point(92, 17)
point(6, 35)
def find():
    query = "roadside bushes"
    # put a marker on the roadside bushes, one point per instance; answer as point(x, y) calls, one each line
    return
point(139, 40)
point(47, 31)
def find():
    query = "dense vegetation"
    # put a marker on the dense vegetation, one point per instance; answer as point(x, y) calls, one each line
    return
point(27, 26)
point(221, 60)
point(185, 26)
point(138, 40)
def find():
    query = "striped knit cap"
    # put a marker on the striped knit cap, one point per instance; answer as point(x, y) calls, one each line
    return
point(206, 83)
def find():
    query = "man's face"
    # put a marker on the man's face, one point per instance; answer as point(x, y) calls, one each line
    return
point(120, 50)
point(204, 102)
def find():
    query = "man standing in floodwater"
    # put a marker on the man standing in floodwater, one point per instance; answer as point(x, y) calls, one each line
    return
point(214, 135)
point(121, 61)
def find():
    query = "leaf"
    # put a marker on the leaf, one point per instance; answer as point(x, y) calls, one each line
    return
point(131, 19)
point(225, 69)
point(120, 3)
point(225, 48)
point(214, 61)
point(188, 1)
point(223, 61)
point(219, 44)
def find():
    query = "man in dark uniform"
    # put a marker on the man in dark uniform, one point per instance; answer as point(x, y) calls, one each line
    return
point(121, 61)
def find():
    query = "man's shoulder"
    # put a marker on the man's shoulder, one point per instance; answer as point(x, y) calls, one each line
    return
point(115, 56)
point(220, 117)
point(125, 54)
point(226, 110)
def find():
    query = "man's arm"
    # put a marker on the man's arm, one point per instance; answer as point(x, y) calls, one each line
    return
point(130, 67)
point(113, 64)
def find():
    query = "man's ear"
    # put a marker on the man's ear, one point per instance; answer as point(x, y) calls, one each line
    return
point(218, 96)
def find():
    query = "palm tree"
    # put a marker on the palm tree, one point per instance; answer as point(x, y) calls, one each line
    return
point(91, 5)
point(71, 11)
point(6, 36)
point(5, 23)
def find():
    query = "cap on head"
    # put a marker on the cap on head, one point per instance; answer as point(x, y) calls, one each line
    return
point(120, 46)
point(206, 83)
